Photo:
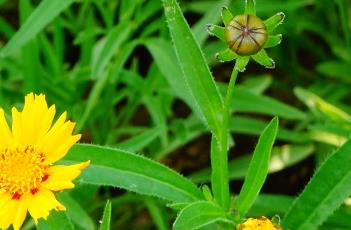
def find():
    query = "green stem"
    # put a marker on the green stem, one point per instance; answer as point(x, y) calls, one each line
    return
point(219, 152)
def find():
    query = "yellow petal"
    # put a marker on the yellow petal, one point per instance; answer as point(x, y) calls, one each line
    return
point(8, 212)
point(41, 203)
point(61, 176)
point(17, 127)
point(5, 133)
point(58, 152)
point(36, 118)
point(20, 214)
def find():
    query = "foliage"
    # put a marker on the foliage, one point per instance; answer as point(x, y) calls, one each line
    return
point(146, 84)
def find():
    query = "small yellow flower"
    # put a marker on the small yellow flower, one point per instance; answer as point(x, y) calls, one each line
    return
point(262, 223)
point(27, 151)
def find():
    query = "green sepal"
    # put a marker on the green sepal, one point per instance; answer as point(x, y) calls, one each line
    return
point(273, 40)
point(241, 63)
point(226, 55)
point(207, 193)
point(215, 30)
point(262, 58)
point(227, 16)
point(274, 21)
point(250, 7)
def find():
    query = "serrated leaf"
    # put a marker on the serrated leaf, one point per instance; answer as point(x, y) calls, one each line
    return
point(326, 191)
point(258, 168)
point(118, 168)
point(195, 69)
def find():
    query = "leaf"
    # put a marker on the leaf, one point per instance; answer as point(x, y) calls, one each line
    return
point(273, 40)
point(195, 69)
point(258, 168)
point(282, 157)
point(138, 142)
point(262, 58)
point(76, 212)
point(115, 38)
point(106, 217)
point(118, 168)
point(274, 21)
point(41, 16)
point(326, 191)
point(245, 101)
point(165, 58)
point(56, 220)
point(250, 7)
point(201, 214)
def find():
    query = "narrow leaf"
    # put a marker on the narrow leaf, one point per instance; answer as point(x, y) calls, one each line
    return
point(250, 7)
point(118, 168)
point(273, 40)
point(41, 16)
point(274, 21)
point(106, 218)
point(195, 69)
point(226, 16)
point(326, 191)
point(199, 215)
point(258, 168)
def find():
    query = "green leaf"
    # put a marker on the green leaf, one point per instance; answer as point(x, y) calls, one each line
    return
point(56, 220)
point(133, 172)
point(274, 21)
point(245, 101)
point(326, 191)
point(226, 55)
point(42, 15)
point(211, 16)
point(217, 31)
point(226, 16)
point(241, 63)
point(335, 69)
point(250, 7)
point(115, 38)
point(76, 212)
point(138, 142)
point(165, 58)
point(199, 215)
point(262, 58)
point(273, 40)
point(106, 218)
point(196, 71)
point(258, 168)
point(282, 157)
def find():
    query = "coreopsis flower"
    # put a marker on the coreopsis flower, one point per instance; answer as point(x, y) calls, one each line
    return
point(28, 178)
point(247, 36)
point(262, 223)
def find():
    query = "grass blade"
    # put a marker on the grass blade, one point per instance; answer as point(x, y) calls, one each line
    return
point(42, 15)
point(106, 218)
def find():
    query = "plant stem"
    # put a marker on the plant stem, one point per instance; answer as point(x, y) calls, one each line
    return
point(219, 152)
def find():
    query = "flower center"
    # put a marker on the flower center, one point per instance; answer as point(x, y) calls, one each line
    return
point(21, 170)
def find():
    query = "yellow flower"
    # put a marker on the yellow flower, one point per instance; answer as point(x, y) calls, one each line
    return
point(27, 151)
point(262, 223)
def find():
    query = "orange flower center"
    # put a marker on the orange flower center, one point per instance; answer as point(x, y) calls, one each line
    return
point(21, 171)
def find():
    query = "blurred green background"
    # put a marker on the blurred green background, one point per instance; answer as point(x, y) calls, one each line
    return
point(111, 65)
